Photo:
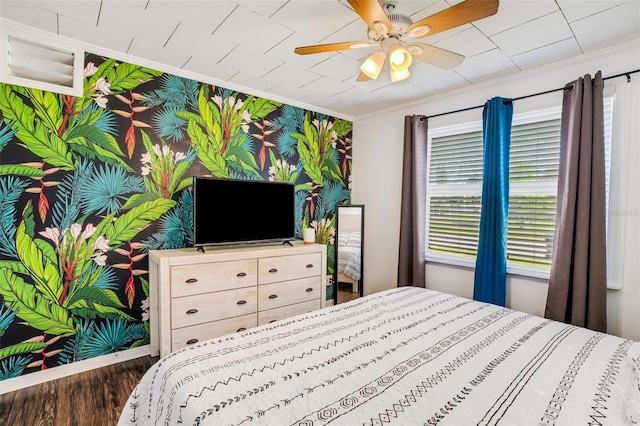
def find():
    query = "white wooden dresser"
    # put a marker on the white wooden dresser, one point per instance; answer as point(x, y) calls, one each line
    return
point(196, 296)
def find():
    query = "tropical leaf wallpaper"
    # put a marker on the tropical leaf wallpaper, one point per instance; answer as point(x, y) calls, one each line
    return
point(89, 185)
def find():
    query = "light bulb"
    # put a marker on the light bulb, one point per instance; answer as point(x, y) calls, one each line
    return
point(399, 58)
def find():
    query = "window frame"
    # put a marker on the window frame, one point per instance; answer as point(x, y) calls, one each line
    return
point(545, 108)
point(515, 189)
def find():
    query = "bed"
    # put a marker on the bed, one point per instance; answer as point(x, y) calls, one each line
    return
point(405, 356)
point(349, 258)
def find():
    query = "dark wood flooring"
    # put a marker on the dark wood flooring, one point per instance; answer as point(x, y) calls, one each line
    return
point(345, 293)
point(94, 397)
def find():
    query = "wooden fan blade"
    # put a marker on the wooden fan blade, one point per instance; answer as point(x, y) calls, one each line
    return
point(460, 14)
point(332, 47)
point(363, 77)
point(371, 11)
point(435, 56)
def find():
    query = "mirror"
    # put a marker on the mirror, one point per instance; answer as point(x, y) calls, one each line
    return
point(349, 252)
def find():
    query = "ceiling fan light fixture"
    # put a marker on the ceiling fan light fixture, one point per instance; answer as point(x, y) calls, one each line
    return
point(372, 66)
point(397, 76)
point(399, 58)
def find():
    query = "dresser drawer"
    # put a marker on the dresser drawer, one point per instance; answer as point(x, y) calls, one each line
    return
point(185, 336)
point(273, 269)
point(188, 280)
point(272, 315)
point(284, 293)
point(191, 310)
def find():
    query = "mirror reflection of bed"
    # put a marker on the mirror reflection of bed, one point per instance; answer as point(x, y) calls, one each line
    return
point(349, 252)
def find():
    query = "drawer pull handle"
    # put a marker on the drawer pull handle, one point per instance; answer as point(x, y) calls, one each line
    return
point(192, 341)
point(309, 290)
point(192, 280)
point(272, 270)
point(273, 296)
point(241, 302)
point(241, 274)
point(192, 311)
point(241, 329)
point(272, 321)
point(309, 265)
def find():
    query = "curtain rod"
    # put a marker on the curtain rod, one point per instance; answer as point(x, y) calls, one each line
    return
point(627, 74)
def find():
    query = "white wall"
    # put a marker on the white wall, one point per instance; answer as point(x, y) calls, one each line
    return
point(377, 168)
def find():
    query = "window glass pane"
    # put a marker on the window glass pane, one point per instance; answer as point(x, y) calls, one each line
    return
point(535, 152)
point(456, 159)
point(530, 230)
point(453, 225)
point(455, 172)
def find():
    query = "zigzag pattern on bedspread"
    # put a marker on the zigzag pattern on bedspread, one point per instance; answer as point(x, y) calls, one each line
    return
point(404, 356)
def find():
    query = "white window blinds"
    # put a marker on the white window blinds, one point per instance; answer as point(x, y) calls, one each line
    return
point(455, 185)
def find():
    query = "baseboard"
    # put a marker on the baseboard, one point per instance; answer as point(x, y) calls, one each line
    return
point(58, 372)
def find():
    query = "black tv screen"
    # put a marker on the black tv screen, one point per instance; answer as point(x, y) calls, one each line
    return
point(230, 211)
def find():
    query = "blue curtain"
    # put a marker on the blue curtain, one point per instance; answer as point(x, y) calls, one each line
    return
point(491, 262)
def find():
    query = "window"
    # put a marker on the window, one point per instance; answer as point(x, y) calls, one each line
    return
point(454, 186)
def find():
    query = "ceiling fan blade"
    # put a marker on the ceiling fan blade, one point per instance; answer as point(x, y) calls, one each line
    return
point(332, 47)
point(435, 56)
point(460, 14)
point(363, 77)
point(371, 11)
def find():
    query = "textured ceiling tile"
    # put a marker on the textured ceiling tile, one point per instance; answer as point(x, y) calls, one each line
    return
point(250, 61)
point(533, 34)
point(121, 17)
point(206, 68)
point(251, 81)
point(338, 67)
point(292, 76)
point(485, 65)
point(422, 73)
point(252, 30)
point(203, 15)
point(555, 51)
point(86, 11)
point(24, 13)
point(595, 30)
point(91, 34)
point(467, 43)
point(315, 19)
point(325, 87)
point(265, 8)
point(512, 13)
point(200, 43)
point(154, 52)
point(574, 10)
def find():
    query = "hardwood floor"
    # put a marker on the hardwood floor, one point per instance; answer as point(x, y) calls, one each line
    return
point(345, 293)
point(94, 397)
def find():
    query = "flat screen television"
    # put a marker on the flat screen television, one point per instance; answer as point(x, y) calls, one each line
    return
point(228, 211)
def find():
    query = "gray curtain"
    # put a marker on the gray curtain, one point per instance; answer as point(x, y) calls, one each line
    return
point(413, 208)
point(578, 281)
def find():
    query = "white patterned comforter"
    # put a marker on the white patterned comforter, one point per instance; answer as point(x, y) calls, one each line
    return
point(349, 261)
point(406, 356)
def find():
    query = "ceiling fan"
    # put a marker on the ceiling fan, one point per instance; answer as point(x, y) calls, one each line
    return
point(393, 32)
